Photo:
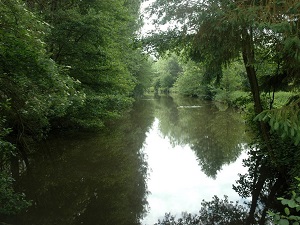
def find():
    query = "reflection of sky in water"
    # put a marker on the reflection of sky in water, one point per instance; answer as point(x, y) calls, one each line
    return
point(176, 182)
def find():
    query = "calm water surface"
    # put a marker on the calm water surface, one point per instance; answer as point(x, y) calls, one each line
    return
point(165, 156)
point(176, 181)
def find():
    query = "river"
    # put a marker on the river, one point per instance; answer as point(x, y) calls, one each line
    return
point(166, 155)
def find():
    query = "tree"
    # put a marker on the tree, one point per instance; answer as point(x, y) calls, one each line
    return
point(232, 81)
point(189, 83)
point(63, 63)
point(261, 32)
point(95, 40)
point(12, 202)
point(140, 67)
point(37, 89)
point(168, 69)
point(217, 32)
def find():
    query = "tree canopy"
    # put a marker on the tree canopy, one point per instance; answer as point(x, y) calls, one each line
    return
point(264, 35)
point(65, 64)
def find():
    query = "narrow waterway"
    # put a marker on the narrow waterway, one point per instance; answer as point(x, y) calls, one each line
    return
point(166, 155)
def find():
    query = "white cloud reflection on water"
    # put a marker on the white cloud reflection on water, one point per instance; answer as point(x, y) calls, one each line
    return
point(176, 182)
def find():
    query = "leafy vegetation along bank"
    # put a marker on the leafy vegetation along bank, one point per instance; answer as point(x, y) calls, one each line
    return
point(77, 64)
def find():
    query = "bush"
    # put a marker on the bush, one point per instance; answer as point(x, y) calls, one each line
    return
point(10, 202)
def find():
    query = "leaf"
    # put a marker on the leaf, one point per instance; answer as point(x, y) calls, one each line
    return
point(292, 204)
point(283, 222)
point(284, 201)
point(285, 126)
point(297, 140)
point(287, 211)
point(266, 117)
point(270, 213)
point(292, 132)
point(259, 117)
point(277, 217)
point(276, 125)
point(272, 122)
point(296, 218)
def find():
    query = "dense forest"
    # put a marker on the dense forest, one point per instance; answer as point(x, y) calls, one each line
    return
point(77, 65)
point(63, 65)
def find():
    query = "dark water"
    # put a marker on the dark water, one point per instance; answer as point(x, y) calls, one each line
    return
point(166, 155)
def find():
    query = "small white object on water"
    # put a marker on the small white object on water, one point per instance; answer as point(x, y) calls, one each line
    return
point(188, 106)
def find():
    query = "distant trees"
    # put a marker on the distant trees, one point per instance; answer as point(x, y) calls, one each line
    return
point(189, 83)
point(167, 70)
point(190, 78)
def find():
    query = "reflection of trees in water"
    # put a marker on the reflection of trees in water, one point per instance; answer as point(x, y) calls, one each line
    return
point(220, 143)
point(215, 136)
point(268, 177)
point(94, 178)
point(217, 211)
point(166, 111)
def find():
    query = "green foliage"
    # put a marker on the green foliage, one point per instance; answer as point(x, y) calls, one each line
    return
point(94, 39)
point(7, 149)
point(167, 69)
point(231, 81)
point(37, 88)
point(266, 35)
point(284, 120)
point(88, 38)
point(192, 82)
point(63, 63)
point(189, 83)
point(282, 98)
point(141, 69)
point(219, 32)
point(94, 65)
point(291, 210)
point(97, 109)
point(10, 202)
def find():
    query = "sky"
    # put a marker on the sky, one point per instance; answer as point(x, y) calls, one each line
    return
point(148, 26)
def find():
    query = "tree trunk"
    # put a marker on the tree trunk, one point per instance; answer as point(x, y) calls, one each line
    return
point(249, 60)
